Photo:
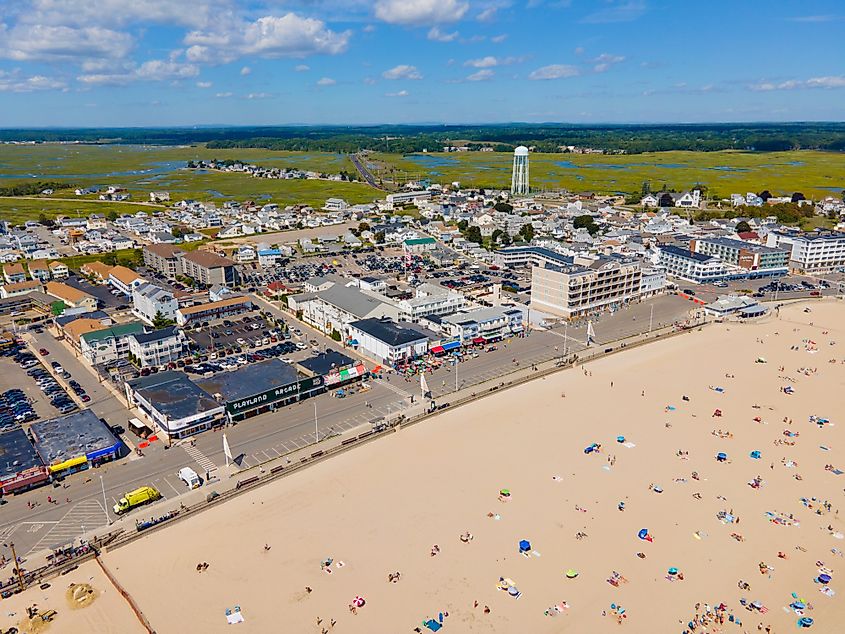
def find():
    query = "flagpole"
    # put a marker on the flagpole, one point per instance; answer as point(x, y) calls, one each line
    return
point(316, 428)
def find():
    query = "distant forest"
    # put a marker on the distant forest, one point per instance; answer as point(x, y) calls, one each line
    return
point(631, 139)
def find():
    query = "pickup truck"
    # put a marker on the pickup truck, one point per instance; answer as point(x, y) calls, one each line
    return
point(138, 497)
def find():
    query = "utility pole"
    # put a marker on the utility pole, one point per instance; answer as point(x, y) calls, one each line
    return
point(316, 429)
point(456, 373)
point(17, 567)
point(651, 318)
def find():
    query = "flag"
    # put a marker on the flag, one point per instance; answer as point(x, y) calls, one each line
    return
point(226, 449)
point(591, 334)
point(424, 387)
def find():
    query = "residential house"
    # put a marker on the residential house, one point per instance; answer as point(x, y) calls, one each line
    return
point(58, 270)
point(149, 300)
point(19, 288)
point(99, 271)
point(71, 296)
point(38, 270)
point(124, 279)
point(14, 273)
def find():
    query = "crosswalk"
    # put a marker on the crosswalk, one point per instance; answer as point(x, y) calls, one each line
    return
point(205, 463)
point(85, 516)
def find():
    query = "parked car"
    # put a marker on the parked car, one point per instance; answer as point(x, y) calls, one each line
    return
point(43, 352)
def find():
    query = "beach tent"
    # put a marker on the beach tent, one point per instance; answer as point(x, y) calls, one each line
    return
point(620, 439)
point(756, 455)
point(823, 579)
point(571, 573)
point(524, 546)
point(805, 621)
point(432, 625)
point(721, 456)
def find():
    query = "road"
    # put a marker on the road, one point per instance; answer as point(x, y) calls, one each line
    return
point(253, 441)
point(364, 172)
point(271, 435)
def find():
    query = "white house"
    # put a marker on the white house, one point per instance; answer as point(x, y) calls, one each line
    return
point(149, 300)
point(385, 340)
point(336, 204)
point(158, 347)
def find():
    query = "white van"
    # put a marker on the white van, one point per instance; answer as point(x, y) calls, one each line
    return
point(189, 477)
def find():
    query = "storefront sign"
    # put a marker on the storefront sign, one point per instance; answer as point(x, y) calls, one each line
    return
point(271, 396)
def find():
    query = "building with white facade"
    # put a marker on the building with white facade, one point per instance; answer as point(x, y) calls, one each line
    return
point(108, 344)
point(811, 252)
point(483, 325)
point(124, 279)
point(386, 341)
point(158, 347)
point(430, 299)
point(693, 267)
point(148, 300)
point(575, 291)
point(332, 309)
point(529, 256)
point(755, 259)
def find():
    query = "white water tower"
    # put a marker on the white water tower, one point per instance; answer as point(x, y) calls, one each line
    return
point(519, 180)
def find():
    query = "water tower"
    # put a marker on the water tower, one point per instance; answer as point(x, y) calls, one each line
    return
point(519, 181)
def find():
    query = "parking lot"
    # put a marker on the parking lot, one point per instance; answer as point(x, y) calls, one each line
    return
point(767, 289)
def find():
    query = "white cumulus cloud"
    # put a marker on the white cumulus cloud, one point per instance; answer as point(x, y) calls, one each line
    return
point(13, 82)
point(403, 71)
point(830, 81)
point(420, 12)
point(289, 35)
point(302, 68)
point(246, 70)
point(326, 81)
point(401, 93)
point(605, 61)
point(204, 84)
point(26, 42)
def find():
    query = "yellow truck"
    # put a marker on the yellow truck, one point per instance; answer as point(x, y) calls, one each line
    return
point(138, 497)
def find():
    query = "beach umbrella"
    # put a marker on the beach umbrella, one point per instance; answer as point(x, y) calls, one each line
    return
point(524, 546)
point(643, 534)
point(673, 571)
point(505, 492)
point(620, 439)
point(805, 621)
point(571, 573)
point(825, 579)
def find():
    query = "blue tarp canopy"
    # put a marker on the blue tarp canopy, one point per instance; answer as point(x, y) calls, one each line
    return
point(524, 546)
point(450, 345)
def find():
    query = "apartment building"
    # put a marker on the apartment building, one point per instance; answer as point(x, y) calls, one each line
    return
point(483, 325)
point(158, 347)
point(206, 267)
point(335, 307)
point(811, 252)
point(744, 255)
point(430, 300)
point(124, 279)
point(163, 258)
point(693, 267)
point(575, 291)
point(108, 344)
point(529, 256)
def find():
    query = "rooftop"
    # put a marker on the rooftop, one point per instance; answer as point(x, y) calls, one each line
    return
point(16, 453)
point(207, 259)
point(388, 331)
point(156, 335)
point(113, 332)
point(686, 253)
point(350, 300)
point(250, 380)
point(174, 394)
point(324, 362)
point(66, 437)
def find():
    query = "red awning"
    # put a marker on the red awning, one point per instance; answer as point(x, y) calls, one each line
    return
point(438, 349)
point(479, 340)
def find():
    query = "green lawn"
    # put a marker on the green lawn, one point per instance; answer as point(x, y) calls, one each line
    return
point(816, 174)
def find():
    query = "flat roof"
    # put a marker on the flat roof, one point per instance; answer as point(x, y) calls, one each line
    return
point(66, 437)
point(686, 253)
point(388, 331)
point(249, 380)
point(174, 394)
point(324, 362)
point(16, 453)
point(201, 308)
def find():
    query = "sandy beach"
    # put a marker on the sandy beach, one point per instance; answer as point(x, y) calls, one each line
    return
point(426, 502)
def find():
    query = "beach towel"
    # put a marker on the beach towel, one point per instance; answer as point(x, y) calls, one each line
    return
point(629, 445)
point(827, 591)
point(234, 618)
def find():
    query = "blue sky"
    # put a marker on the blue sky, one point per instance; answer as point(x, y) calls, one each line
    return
point(249, 62)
